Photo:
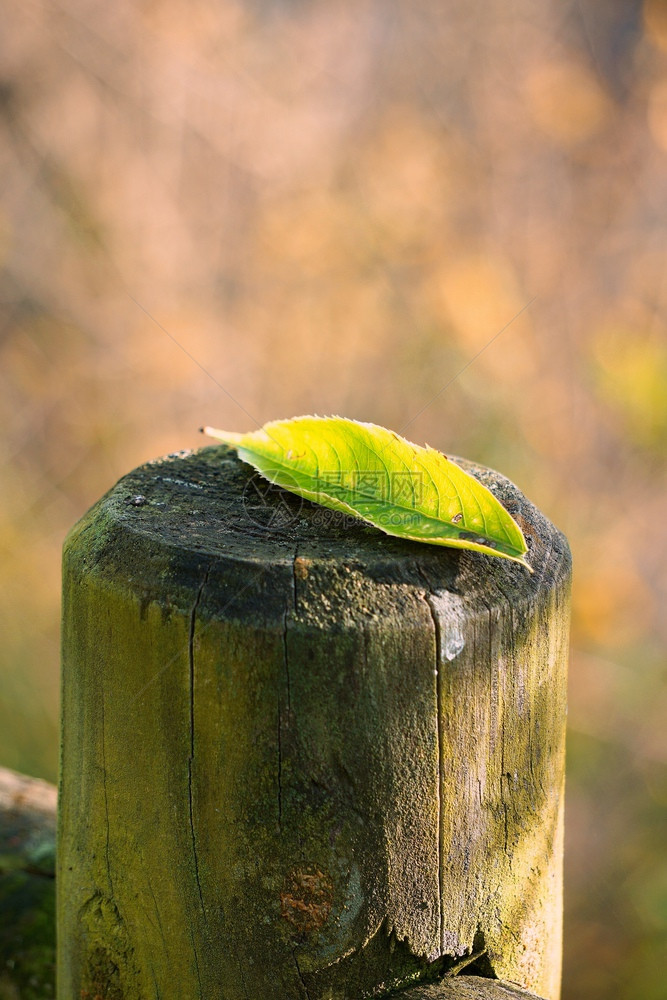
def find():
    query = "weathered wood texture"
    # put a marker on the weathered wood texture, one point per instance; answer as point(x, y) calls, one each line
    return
point(302, 759)
point(27, 887)
point(27, 903)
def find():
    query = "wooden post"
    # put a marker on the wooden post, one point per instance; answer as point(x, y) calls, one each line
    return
point(302, 759)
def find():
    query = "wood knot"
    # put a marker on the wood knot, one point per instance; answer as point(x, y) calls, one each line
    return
point(306, 900)
point(301, 567)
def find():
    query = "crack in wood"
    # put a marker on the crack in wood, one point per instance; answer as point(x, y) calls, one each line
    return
point(106, 799)
point(196, 958)
point(300, 975)
point(288, 688)
point(191, 659)
point(427, 597)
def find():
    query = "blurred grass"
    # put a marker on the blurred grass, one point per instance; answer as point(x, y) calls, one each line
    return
point(334, 208)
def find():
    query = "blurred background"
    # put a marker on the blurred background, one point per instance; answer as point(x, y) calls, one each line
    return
point(334, 206)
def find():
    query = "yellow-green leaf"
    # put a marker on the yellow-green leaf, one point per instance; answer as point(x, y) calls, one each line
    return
point(370, 472)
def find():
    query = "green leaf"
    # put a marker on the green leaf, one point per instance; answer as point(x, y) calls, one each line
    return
point(372, 473)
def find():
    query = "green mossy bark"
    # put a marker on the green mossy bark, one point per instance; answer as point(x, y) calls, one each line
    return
point(27, 888)
point(303, 759)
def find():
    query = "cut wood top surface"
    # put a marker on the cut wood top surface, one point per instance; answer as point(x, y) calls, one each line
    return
point(189, 513)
